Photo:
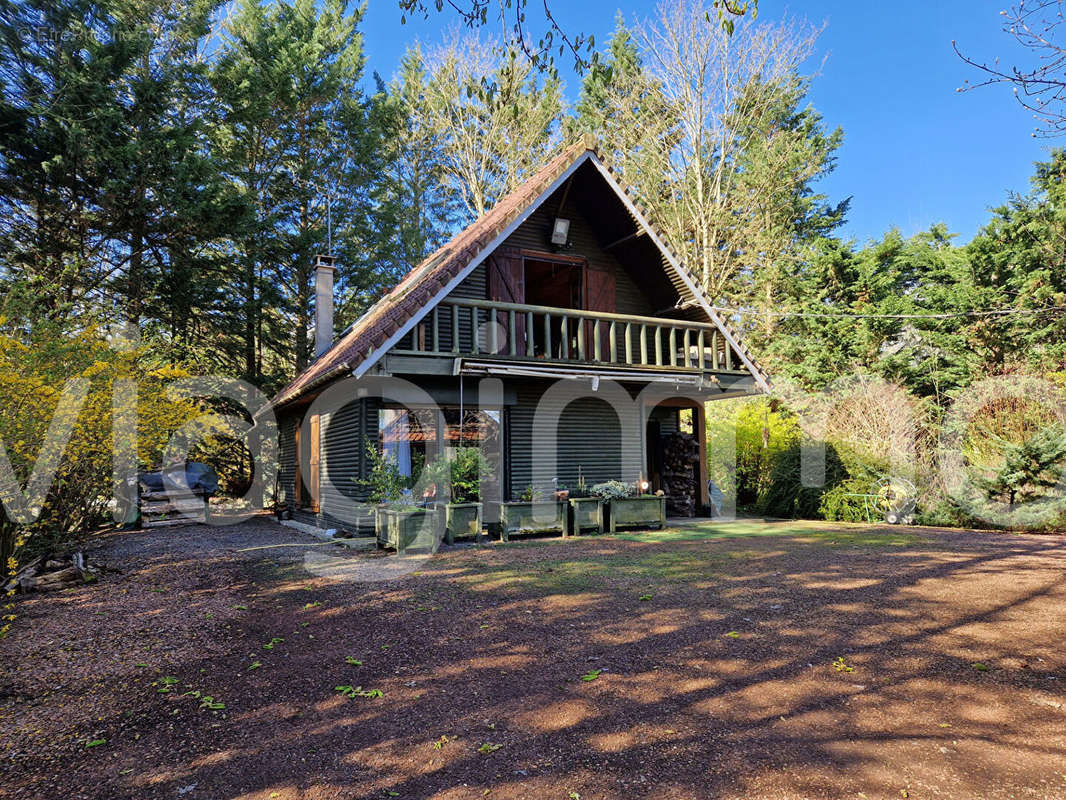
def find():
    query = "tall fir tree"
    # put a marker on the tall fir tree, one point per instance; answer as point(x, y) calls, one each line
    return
point(297, 136)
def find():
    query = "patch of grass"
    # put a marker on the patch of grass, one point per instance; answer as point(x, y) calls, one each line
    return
point(166, 685)
point(733, 635)
point(353, 661)
point(830, 533)
point(439, 744)
point(95, 743)
point(645, 597)
point(980, 667)
point(274, 641)
point(591, 675)
point(595, 571)
point(358, 691)
point(255, 665)
point(489, 747)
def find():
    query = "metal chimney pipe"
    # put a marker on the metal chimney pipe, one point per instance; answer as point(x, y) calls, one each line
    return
point(324, 269)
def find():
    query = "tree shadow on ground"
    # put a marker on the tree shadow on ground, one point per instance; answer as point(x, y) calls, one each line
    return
point(806, 664)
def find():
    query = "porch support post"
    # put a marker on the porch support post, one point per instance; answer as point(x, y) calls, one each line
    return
point(700, 421)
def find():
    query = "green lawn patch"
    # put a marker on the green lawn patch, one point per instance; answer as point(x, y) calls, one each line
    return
point(829, 533)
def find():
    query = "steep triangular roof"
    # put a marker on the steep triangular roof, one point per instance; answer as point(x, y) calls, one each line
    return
point(388, 320)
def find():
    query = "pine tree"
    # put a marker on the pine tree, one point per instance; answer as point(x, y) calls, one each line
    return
point(293, 134)
point(1029, 467)
point(1019, 261)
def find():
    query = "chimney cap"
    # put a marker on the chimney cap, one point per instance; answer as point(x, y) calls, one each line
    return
point(322, 260)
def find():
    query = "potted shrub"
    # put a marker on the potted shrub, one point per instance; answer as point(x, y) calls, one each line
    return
point(627, 508)
point(398, 522)
point(586, 509)
point(463, 474)
point(530, 514)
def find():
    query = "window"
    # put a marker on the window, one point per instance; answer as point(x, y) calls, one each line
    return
point(409, 436)
point(685, 420)
point(416, 436)
point(475, 428)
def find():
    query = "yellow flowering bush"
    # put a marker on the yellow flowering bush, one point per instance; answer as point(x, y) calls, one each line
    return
point(42, 378)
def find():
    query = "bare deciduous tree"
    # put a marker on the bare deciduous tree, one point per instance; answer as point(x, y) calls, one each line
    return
point(495, 117)
point(710, 77)
point(1040, 87)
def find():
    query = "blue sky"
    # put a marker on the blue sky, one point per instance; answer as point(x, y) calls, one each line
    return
point(915, 152)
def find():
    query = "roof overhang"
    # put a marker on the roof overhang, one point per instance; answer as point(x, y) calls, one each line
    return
point(699, 382)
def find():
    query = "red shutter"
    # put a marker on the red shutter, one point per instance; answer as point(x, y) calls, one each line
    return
point(507, 284)
point(599, 296)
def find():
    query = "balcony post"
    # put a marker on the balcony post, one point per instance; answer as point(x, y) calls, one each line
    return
point(455, 329)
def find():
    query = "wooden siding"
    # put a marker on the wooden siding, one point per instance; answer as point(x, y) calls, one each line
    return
point(287, 457)
point(590, 437)
point(667, 419)
point(342, 463)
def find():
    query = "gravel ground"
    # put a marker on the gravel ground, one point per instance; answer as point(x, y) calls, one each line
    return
point(785, 660)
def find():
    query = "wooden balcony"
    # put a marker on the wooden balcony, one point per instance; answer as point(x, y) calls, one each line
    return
point(515, 332)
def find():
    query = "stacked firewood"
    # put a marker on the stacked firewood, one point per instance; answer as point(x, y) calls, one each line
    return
point(681, 455)
point(49, 573)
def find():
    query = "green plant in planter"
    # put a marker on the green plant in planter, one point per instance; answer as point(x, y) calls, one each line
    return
point(384, 482)
point(530, 494)
point(612, 490)
point(464, 472)
point(581, 488)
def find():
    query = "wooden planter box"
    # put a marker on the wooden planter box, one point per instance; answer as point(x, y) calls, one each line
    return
point(586, 513)
point(399, 529)
point(461, 519)
point(637, 512)
point(540, 517)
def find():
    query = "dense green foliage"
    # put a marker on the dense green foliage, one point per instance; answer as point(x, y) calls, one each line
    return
point(461, 475)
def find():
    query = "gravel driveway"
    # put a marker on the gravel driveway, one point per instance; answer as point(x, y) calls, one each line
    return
point(784, 660)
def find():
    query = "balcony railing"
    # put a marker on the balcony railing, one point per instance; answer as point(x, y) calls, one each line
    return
point(513, 331)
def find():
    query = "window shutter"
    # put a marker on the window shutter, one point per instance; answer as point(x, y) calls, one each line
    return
point(314, 477)
point(599, 296)
point(297, 481)
point(507, 284)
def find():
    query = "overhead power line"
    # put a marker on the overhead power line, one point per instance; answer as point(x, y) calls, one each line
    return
point(1001, 312)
